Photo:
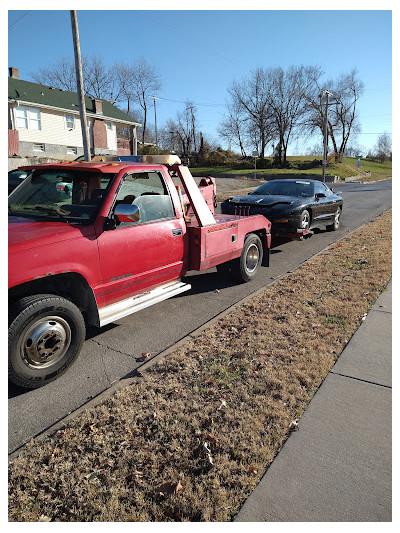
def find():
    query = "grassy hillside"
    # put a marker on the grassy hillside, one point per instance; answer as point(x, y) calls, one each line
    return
point(302, 166)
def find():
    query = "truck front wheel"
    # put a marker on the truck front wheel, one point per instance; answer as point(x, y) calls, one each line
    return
point(245, 267)
point(45, 335)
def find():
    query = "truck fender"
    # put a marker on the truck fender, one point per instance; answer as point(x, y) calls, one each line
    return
point(70, 285)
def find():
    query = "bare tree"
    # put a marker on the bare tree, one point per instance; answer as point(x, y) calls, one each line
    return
point(124, 75)
point(251, 96)
point(347, 92)
point(383, 148)
point(233, 126)
point(286, 98)
point(98, 79)
point(61, 74)
point(144, 81)
point(168, 136)
point(342, 115)
point(185, 129)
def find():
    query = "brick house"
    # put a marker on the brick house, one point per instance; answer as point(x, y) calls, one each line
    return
point(44, 122)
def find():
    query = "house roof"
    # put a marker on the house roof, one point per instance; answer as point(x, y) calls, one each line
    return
point(42, 95)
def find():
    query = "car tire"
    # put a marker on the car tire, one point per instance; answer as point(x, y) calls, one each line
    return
point(305, 220)
point(245, 267)
point(45, 335)
point(336, 223)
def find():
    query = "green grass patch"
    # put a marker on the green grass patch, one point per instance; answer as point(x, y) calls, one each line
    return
point(300, 166)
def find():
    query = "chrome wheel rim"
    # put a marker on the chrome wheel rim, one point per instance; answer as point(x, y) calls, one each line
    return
point(45, 342)
point(305, 220)
point(252, 258)
point(337, 218)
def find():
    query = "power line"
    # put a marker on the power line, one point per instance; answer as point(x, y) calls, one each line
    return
point(382, 115)
point(196, 104)
point(378, 88)
point(18, 19)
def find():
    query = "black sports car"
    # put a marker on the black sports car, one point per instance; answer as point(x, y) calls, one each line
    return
point(291, 205)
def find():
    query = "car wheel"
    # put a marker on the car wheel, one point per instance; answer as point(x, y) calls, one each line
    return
point(45, 335)
point(245, 267)
point(336, 222)
point(305, 220)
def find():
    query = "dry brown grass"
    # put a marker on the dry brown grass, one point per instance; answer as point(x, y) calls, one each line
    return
point(191, 439)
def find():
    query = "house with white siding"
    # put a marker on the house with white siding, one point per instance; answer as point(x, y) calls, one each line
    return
point(45, 122)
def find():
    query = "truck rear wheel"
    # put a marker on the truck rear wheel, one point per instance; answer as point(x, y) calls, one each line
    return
point(45, 335)
point(245, 267)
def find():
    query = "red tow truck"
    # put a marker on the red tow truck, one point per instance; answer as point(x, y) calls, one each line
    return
point(92, 242)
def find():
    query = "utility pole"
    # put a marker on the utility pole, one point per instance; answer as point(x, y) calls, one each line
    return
point(193, 128)
point(255, 155)
point(172, 133)
point(325, 159)
point(79, 83)
point(155, 118)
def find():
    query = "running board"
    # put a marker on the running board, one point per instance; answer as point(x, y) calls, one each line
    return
point(137, 303)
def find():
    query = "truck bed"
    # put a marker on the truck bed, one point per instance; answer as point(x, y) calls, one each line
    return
point(223, 241)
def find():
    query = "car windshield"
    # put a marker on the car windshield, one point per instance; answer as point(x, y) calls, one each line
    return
point(286, 188)
point(73, 196)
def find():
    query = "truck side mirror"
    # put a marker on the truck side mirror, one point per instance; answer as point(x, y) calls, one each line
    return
point(127, 213)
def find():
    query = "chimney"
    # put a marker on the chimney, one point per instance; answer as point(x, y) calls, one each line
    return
point(98, 106)
point(14, 73)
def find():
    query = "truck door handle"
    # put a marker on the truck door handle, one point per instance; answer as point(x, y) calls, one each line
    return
point(177, 232)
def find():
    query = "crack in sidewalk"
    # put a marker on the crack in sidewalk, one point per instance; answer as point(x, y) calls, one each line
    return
point(363, 380)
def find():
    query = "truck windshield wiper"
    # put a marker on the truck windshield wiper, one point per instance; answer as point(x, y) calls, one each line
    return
point(54, 210)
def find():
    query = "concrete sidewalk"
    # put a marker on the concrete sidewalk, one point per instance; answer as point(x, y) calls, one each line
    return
point(337, 466)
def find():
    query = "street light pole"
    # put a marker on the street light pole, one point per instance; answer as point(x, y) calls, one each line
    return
point(79, 83)
point(325, 160)
point(155, 118)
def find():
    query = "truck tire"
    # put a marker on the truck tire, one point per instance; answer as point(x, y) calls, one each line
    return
point(245, 267)
point(45, 334)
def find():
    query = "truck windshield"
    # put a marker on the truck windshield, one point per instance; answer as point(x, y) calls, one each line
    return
point(70, 195)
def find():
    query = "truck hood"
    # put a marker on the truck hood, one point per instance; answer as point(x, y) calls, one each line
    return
point(27, 233)
point(267, 200)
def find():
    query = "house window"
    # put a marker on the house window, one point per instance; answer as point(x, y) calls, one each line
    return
point(109, 126)
point(38, 147)
point(27, 118)
point(70, 122)
point(72, 150)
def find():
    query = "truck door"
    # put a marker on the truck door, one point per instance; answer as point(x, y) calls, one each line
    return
point(138, 256)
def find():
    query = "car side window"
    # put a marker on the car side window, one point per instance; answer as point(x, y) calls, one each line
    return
point(320, 188)
point(148, 191)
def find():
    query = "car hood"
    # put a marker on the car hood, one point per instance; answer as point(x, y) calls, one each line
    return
point(269, 200)
point(25, 233)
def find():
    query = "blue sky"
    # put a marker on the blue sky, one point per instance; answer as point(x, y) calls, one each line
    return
point(199, 53)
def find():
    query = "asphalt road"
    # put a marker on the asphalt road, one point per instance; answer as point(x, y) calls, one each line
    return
point(112, 352)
